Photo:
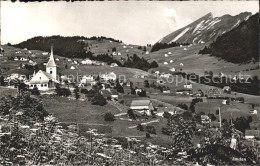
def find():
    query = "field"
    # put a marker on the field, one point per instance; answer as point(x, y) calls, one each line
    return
point(7, 91)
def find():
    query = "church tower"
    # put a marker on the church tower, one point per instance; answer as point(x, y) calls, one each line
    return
point(51, 66)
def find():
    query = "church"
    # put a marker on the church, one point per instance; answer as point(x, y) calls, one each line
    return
point(45, 80)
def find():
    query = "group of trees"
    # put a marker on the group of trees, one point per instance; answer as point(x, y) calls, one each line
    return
point(158, 46)
point(139, 63)
point(239, 45)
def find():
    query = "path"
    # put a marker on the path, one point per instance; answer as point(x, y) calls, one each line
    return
point(145, 123)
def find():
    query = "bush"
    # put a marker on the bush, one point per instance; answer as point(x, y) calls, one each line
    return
point(151, 129)
point(84, 91)
point(131, 114)
point(140, 127)
point(167, 115)
point(109, 117)
point(35, 91)
point(99, 99)
point(62, 91)
point(147, 135)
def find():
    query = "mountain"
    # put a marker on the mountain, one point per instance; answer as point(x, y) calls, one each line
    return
point(239, 45)
point(205, 29)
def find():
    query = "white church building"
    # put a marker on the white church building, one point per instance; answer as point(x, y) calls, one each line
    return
point(45, 80)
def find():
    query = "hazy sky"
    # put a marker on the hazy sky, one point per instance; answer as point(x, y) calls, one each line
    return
point(135, 22)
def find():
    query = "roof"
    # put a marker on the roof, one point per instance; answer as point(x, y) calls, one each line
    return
point(51, 62)
point(49, 76)
point(140, 102)
point(252, 132)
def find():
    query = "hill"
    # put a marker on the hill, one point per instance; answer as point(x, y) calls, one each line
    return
point(205, 29)
point(238, 45)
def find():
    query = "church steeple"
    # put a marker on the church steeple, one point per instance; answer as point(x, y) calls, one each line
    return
point(51, 66)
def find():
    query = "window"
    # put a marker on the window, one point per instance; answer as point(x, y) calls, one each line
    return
point(40, 78)
point(34, 85)
point(50, 72)
point(45, 85)
point(41, 85)
point(31, 85)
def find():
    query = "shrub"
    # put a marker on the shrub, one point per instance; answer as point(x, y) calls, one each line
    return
point(99, 99)
point(35, 91)
point(109, 117)
point(151, 129)
point(167, 115)
point(62, 91)
point(140, 127)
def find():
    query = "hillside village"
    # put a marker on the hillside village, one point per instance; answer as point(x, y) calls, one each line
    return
point(103, 109)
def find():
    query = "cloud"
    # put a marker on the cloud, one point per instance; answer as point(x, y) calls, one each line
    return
point(173, 20)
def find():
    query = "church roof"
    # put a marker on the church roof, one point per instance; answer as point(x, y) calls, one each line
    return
point(49, 76)
point(51, 62)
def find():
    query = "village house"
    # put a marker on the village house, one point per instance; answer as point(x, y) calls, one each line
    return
point(45, 53)
point(109, 76)
point(113, 65)
point(45, 80)
point(23, 59)
point(183, 91)
point(16, 59)
point(253, 111)
point(87, 62)
point(188, 85)
point(142, 106)
point(227, 89)
point(251, 134)
point(87, 79)
point(205, 119)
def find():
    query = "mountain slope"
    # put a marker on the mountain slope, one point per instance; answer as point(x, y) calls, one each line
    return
point(238, 45)
point(205, 29)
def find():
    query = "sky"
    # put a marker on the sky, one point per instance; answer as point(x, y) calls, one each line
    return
point(134, 22)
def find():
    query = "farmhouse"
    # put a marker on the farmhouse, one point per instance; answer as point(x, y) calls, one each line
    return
point(142, 106)
point(251, 134)
point(253, 112)
point(188, 85)
point(45, 80)
point(113, 65)
point(227, 89)
point(109, 76)
point(72, 68)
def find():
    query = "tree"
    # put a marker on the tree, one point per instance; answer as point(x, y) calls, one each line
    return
point(146, 84)
point(99, 99)
point(131, 114)
point(109, 117)
point(154, 64)
point(167, 115)
point(35, 91)
point(62, 91)
point(181, 131)
point(76, 93)
point(151, 129)
point(2, 80)
point(140, 127)
point(114, 49)
point(142, 93)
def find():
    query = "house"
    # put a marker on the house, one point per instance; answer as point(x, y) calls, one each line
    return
point(251, 134)
point(183, 91)
point(188, 85)
point(185, 49)
point(109, 76)
point(23, 59)
point(172, 69)
point(69, 60)
point(166, 55)
point(181, 64)
point(205, 119)
point(165, 63)
point(171, 61)
point(167, 75)
point(114, 94)
point(45, 80)
point(114, 53)
point(138, 91)
point(142, 106)
point(147, 52)
point(166, 91)
point(227, 89)
point(119, 53)
point(16, 59)
point(169, 53)
point(253, 112)
point(87, 62)
point(45, 53)
point(113, 65)
point(57, 59)
point(157, 72)
point(86, 79)
point(225, 102)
